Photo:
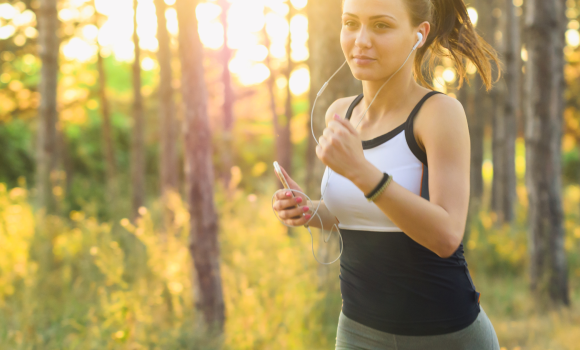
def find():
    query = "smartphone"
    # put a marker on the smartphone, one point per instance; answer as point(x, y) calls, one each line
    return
point(281, 177)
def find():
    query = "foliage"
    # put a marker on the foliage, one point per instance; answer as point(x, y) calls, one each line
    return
point(79, 283)
point(75, 282)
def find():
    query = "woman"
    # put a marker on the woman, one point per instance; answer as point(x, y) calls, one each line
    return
point(404, 279)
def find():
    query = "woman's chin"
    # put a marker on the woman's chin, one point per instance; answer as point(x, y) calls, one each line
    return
point(364, 74)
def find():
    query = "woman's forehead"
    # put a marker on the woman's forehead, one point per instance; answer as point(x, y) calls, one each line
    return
point(364, 9)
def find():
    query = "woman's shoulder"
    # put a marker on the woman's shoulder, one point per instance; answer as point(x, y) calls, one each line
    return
point(440, 106)
point(439, 111)
point(340, 107)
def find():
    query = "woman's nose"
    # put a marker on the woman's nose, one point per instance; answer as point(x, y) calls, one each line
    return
point(362, 38)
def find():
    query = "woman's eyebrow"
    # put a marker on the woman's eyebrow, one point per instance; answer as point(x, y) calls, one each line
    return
point(372, 17)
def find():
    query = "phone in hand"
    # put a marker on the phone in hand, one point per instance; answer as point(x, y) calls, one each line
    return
point(281, 177)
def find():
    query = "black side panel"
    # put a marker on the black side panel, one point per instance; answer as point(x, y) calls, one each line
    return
point(425, 183)
point(409, 134)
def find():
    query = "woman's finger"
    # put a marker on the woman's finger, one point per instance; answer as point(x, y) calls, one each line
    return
point(322, 141)
point(284, 204)
point(340, 123)
point(281, 194)
point(328, 132)
point(294, 213)
point(299, 222)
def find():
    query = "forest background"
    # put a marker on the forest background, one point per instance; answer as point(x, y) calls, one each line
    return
point(136, 176)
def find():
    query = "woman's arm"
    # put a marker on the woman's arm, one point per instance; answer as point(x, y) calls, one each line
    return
point(437, 224)
point(328, 220)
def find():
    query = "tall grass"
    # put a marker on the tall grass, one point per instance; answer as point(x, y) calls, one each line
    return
point(77, 283)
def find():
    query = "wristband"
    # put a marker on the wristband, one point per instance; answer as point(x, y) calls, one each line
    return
point(382, 189)
point(379, 188)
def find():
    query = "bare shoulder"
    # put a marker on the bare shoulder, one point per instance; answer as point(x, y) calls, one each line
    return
point(440, 115)
point(340, 106)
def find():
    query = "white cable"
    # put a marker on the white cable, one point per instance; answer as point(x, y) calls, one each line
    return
point(329, 171)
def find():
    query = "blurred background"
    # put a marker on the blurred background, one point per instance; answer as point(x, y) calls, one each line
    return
point(136, 172)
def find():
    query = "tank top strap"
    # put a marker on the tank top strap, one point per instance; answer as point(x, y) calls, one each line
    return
point(352, 105)
point(410, 136)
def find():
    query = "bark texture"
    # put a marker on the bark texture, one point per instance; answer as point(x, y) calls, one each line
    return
point(46, 154)
point(167, 122)
point(544, 104)
point(199, 172)
point(138, 129)
point(229, 99)
point(325, 57)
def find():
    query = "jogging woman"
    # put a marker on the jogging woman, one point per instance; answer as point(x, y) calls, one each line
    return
point(399, 191)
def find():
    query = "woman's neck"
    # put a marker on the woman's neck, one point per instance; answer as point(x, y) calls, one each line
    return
point(390, 99)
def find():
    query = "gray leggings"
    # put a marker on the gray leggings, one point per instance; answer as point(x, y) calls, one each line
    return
point(479, 335)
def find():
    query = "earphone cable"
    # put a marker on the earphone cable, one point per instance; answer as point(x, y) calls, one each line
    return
point(420, 36)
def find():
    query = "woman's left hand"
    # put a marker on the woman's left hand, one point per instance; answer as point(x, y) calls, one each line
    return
point(340, 148)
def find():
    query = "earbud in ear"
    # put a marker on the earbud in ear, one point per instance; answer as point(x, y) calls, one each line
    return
point(419, 39)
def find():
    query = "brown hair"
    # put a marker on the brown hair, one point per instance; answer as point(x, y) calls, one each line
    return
point(452, 35)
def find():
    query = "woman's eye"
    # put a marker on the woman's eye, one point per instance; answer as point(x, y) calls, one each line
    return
point(352, 24)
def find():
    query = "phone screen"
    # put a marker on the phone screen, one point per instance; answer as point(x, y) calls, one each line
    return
point(281, 177)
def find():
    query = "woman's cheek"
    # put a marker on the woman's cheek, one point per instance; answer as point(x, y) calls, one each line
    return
point(344, 44)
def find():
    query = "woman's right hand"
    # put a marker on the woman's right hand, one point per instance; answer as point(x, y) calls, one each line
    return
point(288, 207)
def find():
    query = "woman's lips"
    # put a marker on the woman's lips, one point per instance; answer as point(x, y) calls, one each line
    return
point(362, 61)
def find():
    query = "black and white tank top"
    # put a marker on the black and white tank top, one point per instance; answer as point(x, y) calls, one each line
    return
point(396, 153)
point(388, 281)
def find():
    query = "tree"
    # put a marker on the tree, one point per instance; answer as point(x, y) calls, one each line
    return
point(227, 107)
point(466, 95)
point(483, 104)
point(167, 121)
point(138, 135)
point(49, 43)
point(284, 135)
point(325, 57)
point(107, 133)
point(271, 83)
point(199, 172)
point(504, 120)
point(544, 105)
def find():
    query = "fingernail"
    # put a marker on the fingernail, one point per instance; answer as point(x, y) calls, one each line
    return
point(288, 193)
point(307, 216)
point(299, 200)
point(336, 116)
point(305, 208)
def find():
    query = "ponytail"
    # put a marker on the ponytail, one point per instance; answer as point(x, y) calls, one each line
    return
point(452, 35)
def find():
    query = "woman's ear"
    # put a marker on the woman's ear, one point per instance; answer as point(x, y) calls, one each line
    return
point(424, 29)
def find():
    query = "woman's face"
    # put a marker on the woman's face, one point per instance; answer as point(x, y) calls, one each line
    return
point(380, 30)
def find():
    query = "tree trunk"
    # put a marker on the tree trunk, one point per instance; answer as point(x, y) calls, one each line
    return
point(326, 56)
point(284, 144)
point(484, 111)
point(225, 55)
point(137, 142)
point(466, 95)
point(46, 154)
point(167, 121)
point(107, 134)
point(543, 133)
point(203, 246)
point(504, 119)
point(65, 157)
point(513, 77)
point(271, 83)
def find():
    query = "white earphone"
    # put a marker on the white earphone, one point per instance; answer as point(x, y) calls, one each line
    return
point(419, 39)
point(420, 36)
